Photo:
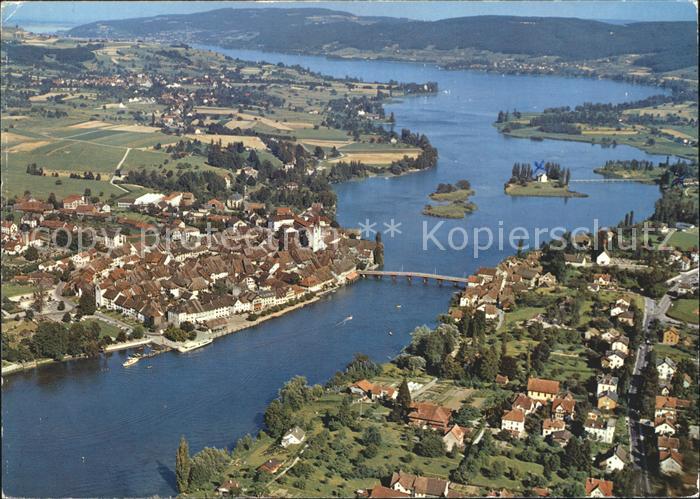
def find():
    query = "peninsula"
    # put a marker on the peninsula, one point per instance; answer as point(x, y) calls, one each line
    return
point(548, 180)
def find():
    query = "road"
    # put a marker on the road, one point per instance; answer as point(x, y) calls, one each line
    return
point(658, 311)
point(652, 310)
point(111, 180)
point(636, 429)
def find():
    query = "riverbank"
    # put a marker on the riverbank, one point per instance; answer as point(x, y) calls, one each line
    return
point(13, 368)
point(641, 176)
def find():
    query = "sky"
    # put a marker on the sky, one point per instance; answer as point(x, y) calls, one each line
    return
point(74, 13)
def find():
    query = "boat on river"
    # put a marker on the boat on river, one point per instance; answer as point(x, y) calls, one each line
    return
point(131, 361)
point(194, 345)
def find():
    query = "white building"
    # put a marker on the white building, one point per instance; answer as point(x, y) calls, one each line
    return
point(603, 259)
point(666, 368)
point(606, 383)
point(602, 431)
point(615, 460)
point(295, 436)
point(514, 422)
point(148, 198)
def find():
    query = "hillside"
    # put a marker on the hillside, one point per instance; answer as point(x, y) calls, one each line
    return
point(322, 30)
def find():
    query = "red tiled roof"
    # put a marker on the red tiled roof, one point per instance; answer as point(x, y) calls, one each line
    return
point(605, 486)
point(543, 386)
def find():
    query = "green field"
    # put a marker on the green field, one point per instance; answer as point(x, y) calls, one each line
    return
point(10, 290)
point(685, 310)
point(684, 240)
point(106, 329)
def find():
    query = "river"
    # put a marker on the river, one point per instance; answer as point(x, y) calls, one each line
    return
point(93, 428)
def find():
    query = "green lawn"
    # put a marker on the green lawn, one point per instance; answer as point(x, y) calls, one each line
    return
point(521, 314)
point(456, 209)
point(11, 290)
point(106, 329)
point(685, 310)
point(684, 240)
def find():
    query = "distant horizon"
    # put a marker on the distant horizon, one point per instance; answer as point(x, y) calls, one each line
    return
point(70, 14)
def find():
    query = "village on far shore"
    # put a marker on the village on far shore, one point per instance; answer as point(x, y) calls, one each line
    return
point(549, 375)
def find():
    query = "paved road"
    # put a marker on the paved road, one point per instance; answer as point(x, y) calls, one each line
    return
point(636, 429)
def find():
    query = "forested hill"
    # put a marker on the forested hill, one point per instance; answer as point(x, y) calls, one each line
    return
point(322, 30)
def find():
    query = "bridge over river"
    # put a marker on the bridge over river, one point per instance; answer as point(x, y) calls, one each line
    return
point(394, 274)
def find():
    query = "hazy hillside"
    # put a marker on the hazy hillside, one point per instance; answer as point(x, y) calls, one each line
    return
point(315, 30)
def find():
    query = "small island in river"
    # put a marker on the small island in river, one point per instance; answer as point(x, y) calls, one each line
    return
point(455, 198)
point(547, 180)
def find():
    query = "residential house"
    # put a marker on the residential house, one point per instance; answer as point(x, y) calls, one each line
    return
point(229, 488)
point(370, 391)
point(575, 259)
point(670, 462)
point(542, 389)
point(621, 344)
point(607, 401)
point(427, 415)
point(563, 408)
point(513, 421)
point(614, 460)
point(606, 383)
point(603, 259)
point(613, 359)
point(560, 438)
point(550, 426)
point(454, 438)
point(620, 306)
point(9, 228)
point(666, 368)
point(671, 336)
point(525, 404)
point(602, 280)
point(599, 488)
point(295, 436)
point(668, 406)
point(270, 466)
point(419, 486)
point(547, 280)
point(626, 318)
point(600, 429)
point(667, 443)
point(381, 492)
point(665, 426)
point(111, 238)
point(73, 201)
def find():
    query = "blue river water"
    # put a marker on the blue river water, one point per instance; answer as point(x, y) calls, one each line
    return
point(93, 428)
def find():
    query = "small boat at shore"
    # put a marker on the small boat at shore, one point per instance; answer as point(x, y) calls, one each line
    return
point(131, 361)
